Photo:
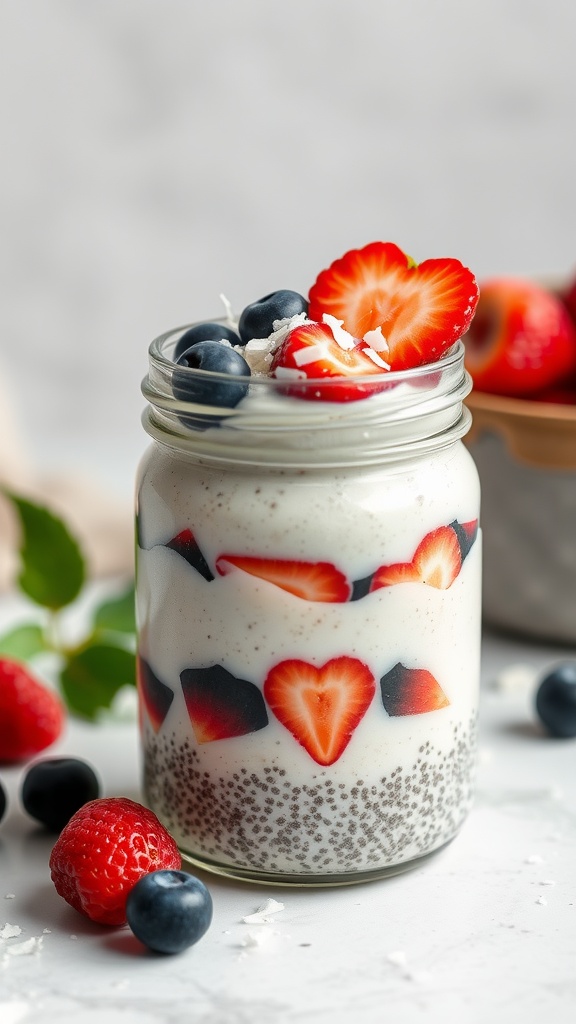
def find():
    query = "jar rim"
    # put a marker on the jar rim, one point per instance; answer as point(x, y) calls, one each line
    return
point(399, 414)
point(161, 346)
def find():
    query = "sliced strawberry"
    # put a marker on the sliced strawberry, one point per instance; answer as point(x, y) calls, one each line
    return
point(399, 572)
point(321, 707)
point(466, 534)
point(154, 694)
point(220, 705)
point(437, 558)
point(312, 581)
point(421, 309)
point(436, 562)
point(411, 691)
point(311, 351)
point(186, 545)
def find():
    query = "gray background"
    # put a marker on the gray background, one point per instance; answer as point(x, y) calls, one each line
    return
point(158, 152)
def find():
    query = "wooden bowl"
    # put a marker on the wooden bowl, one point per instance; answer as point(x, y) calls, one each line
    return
point(525, 452)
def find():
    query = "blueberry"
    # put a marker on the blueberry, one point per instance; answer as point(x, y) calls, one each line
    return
point(217, 358)
point(204, 332)
point(55, 788)
point(556, 700)
point(169, 910)
point(257, 320)
point(3, 801)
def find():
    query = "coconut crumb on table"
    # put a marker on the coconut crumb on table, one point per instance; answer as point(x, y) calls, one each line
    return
point(262, 915)
point(26, 948)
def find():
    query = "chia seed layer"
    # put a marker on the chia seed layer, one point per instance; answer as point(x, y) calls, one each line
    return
point(263, 822)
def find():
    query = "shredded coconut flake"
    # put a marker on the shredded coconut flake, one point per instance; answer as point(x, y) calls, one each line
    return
point(10, 931)
point(10, 896)
point(305, 356)
point(341, 337)
point(289, 373)
point(262, 915)
point(542, 902)
point(229, 311)
point(26, 948)
point(376, 340)
point(534, 858)
point(255, 939)
point(376, 358)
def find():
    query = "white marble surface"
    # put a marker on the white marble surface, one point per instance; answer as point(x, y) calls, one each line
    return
point(485, 931)
point(159, 152)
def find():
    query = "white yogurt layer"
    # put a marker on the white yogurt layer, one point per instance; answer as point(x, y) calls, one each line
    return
point(404, 781)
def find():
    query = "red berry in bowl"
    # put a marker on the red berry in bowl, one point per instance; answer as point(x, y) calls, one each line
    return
point(106, 847)
point(521, 340)
point(31, 715)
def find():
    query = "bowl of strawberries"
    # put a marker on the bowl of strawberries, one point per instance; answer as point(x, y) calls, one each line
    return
point(521, 354)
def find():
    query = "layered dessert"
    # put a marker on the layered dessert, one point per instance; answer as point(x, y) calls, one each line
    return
point(308, 577)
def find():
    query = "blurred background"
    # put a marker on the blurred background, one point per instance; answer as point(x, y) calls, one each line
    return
point(156, 153)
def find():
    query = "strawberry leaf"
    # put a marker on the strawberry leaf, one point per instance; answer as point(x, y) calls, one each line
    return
point(23, 642)
point(52, 567)
point(92, 676)
point(117, 614)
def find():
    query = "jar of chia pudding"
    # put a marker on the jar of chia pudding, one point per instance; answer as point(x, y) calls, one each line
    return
point(308, 602)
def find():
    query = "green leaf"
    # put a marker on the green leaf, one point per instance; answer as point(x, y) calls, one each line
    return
point(117, 614)
point(23, 642)
point(93, 675)
point(52, 571)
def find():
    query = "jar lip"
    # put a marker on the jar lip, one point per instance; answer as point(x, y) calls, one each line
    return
point(261, 383)
point(349, 421)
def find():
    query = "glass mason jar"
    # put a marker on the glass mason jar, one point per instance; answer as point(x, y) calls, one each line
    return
point(308, 603)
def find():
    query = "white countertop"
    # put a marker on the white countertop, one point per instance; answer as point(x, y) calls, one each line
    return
point(485, 931)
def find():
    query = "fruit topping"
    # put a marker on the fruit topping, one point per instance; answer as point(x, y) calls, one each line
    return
point(169, 910)
point(436, 562)
point(416, 310)
point(207, 331)
point(411, 691)
point(314, 351)
point(106, 847)
point(185, 544)
point(55, 788)
point(213, 357)
point(31, 715)
point(312, 581)
point(220, 705)
point(155, 696)
point(257, 320)
point(556, 701)
point(521, 341)
point(321, 707)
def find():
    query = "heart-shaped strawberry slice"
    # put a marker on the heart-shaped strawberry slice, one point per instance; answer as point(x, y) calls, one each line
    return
point(420, 309)
point(321, 707)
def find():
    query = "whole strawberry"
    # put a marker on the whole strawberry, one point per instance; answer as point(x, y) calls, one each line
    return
point(106, 847)
point(31, 715)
